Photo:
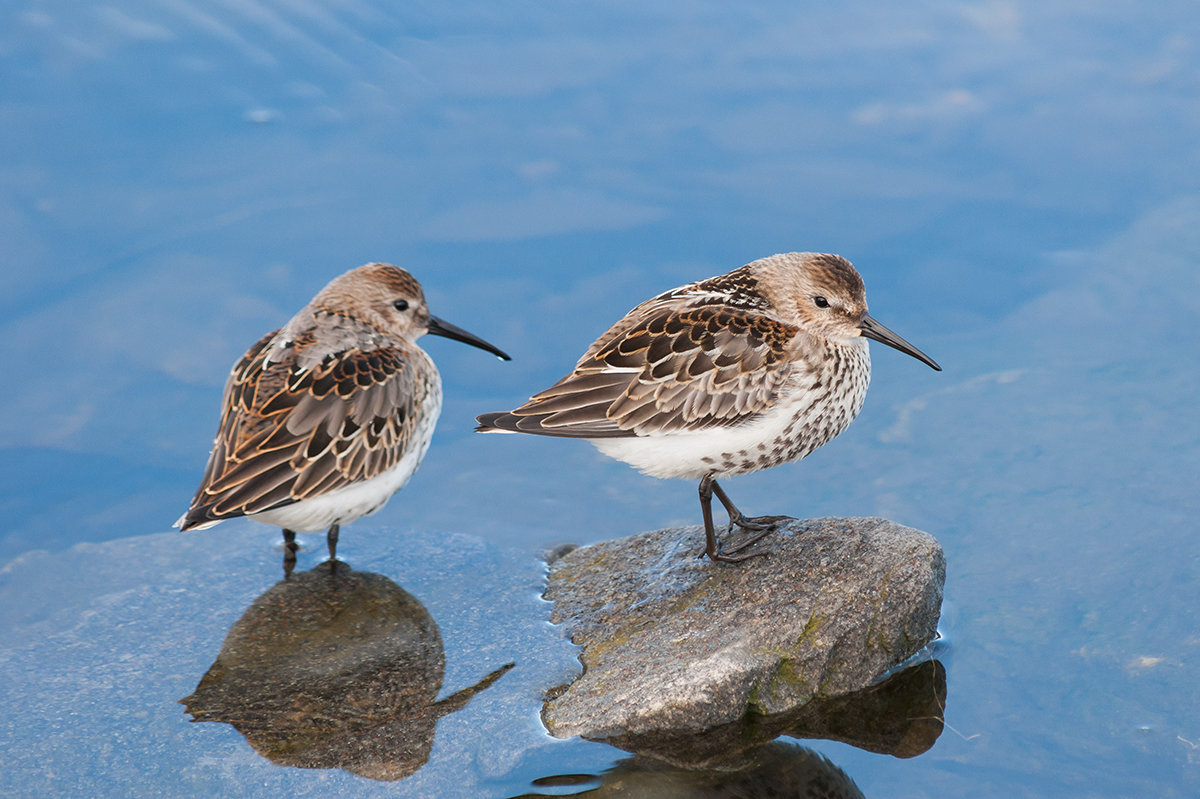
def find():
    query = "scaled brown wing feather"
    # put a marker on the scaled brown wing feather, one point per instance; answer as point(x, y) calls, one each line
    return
point(673, 370)
point(288, 435)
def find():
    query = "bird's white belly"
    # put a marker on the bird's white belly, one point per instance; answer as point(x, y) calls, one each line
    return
point(804, 420)
point(360, 499)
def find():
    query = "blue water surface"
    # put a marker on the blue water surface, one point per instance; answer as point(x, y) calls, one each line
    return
point(1018, 182)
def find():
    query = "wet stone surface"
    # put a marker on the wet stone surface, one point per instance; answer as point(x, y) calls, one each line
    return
point(673, 644)
point(903, 716)
point(391, 677)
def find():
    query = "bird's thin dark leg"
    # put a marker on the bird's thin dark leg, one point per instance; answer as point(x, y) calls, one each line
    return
point(763, 525)
point(331, 539)
point(289, 551)
point(710, 535)
point(707, 486)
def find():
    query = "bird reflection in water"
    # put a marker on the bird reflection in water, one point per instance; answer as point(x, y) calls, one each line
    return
point(334, 670)
point(901, 716)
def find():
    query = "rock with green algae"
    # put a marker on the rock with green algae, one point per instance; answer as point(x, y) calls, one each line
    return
point(672, 642)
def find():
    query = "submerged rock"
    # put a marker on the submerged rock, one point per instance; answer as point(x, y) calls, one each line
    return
point(673, 643)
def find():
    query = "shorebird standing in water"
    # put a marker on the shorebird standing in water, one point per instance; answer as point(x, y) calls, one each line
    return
point(324, 419)
point(722, 377)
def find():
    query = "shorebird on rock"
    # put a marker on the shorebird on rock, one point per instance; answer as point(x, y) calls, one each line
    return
point(722, 377)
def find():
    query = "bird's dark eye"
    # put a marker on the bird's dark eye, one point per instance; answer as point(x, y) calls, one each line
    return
point(400, 305)
point(821, 302)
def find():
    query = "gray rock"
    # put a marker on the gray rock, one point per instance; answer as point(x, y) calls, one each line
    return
point(673, 643)
point(901, 716)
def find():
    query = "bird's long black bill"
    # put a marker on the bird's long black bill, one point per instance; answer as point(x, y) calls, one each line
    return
point(872, 329)
point(440, 327)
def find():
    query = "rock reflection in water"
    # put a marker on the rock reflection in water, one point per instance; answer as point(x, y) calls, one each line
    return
point(902, 716)
point(333, 671)
point(774, 770)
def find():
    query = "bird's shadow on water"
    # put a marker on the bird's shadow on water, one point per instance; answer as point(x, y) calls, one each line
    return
point(334, 668)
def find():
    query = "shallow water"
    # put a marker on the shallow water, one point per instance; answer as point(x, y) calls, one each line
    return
point(1017, 183)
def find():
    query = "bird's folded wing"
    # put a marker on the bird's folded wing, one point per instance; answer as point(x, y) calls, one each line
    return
point(290, 434)
point(673, 370)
